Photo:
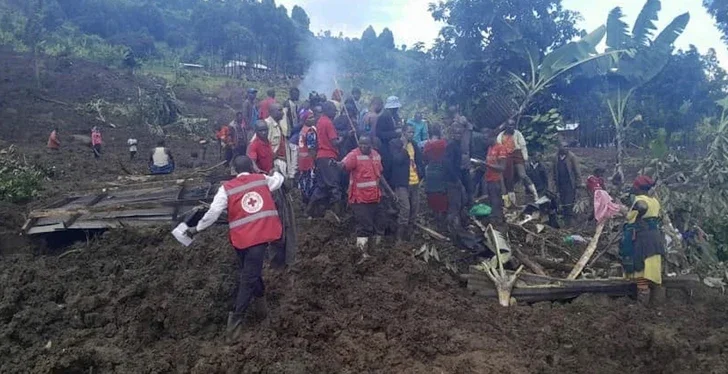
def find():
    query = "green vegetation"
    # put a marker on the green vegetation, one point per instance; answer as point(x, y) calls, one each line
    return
point(19, 182)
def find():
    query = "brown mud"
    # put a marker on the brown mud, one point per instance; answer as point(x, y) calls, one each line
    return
point(138, 302)
point(131, 302)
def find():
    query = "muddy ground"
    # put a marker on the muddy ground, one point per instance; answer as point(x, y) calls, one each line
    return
point(137, 302)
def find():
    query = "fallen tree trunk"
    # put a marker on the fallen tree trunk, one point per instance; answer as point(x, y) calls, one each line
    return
point(588, 252)
point(432, 233)
point(559, 266)
point(532, 265)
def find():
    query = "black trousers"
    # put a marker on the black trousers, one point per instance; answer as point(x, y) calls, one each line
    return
point(567, 198)
point(367, 218)
point(495, 197)
point(328, 183)
point(250, 281)
point(456, 202)
point(478, 182)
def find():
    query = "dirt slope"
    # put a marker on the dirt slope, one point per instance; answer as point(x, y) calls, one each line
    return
point(135, 302)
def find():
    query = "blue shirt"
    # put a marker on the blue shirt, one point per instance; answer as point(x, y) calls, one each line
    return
point(421, 135)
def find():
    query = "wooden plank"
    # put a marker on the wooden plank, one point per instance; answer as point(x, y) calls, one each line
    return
point(535, 294)
point(94, 225)
point(165, 211)
point(46, 229)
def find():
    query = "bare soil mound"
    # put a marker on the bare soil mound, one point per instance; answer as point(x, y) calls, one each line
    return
point(131, 302)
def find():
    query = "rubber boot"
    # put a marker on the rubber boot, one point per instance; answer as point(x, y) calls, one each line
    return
point(512, 198)
point(659, 295)
point(233, 324)
point(643, 296)
point(401, 234)
point(332, 217)
point(506, 201)
point(532, 188)
point(361, 244)
point(259, 308)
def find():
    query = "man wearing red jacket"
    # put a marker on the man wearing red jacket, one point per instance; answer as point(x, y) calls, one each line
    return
point(254, 224)
point(365, 175)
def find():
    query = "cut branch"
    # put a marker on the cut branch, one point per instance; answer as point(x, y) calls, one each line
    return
point(588, 252)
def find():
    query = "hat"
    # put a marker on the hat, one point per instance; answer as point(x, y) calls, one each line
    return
point(643, 183)
point(392, 103)
point(252, 90)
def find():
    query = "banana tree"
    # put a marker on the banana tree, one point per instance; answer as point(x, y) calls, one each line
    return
point(645, 58)
point(544, 72)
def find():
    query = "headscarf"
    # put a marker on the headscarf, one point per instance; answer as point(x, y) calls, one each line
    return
point(337, 95)
point(643, 183)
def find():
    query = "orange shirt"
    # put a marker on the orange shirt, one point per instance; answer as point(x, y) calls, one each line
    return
point(496, 153)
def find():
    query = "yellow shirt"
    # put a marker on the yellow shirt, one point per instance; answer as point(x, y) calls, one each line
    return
point(413, 177)
point(653, 208)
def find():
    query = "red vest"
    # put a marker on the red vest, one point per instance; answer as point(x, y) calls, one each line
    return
point(364, 178)
point(252, 214)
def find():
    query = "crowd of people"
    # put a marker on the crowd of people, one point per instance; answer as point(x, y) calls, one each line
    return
point(345, 157)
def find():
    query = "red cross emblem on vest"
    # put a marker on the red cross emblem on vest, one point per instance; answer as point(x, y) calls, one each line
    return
point(252, 202)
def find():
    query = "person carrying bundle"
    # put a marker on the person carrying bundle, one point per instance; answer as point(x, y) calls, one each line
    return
point(253, 223)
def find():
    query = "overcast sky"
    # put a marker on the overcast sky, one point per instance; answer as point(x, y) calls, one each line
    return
point(410, 21)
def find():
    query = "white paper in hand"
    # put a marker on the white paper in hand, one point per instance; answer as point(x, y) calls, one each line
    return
point(180, 233)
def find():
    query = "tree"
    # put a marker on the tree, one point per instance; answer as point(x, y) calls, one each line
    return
point(369, 36)
point(633, 69)
point(386, 39)
point(475, 46)
point(299, 16)
point(683, 93)
point(34, 31)
point(719, 10)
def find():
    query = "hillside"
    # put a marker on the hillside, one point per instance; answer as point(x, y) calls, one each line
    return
point(135, 301)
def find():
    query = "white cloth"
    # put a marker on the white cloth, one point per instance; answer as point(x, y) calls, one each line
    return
point(132, 144)
point(220, 201)
point(276, 135)
point(293, 161)
point(520, 143)
point(160, 157)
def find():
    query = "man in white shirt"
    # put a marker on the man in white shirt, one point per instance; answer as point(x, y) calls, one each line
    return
point(132, 148)
point(278, 132)
point(254, 224)
point(161, 160)
point(517, 149)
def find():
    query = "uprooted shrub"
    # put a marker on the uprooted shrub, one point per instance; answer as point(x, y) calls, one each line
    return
point(19, 181)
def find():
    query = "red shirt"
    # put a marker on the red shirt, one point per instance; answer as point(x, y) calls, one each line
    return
point(365, 171)
point(496, 153)
point(264, 108)
point(326, 133)
point(434, 150)
point(262, 154)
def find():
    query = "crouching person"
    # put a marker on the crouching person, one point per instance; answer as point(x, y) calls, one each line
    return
point(365, 175)
point(253, 224)
point(161, 160)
